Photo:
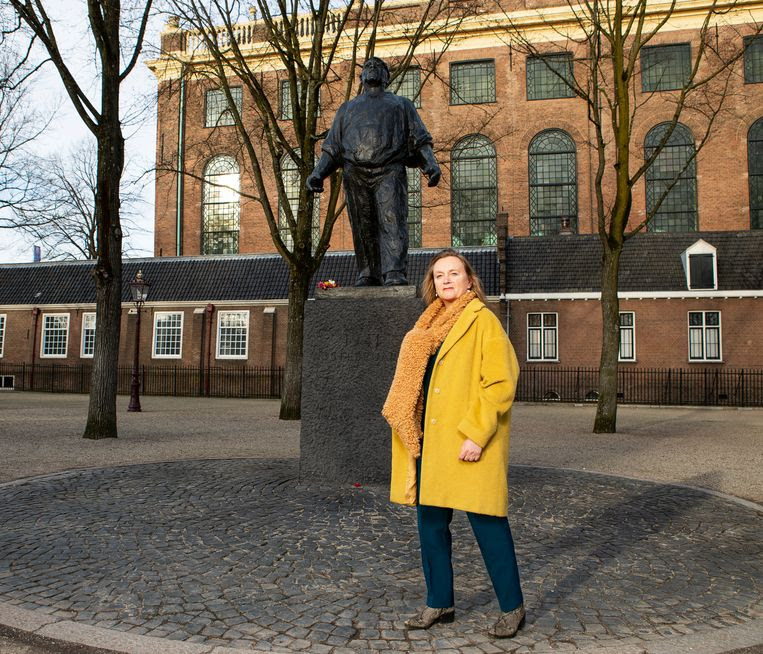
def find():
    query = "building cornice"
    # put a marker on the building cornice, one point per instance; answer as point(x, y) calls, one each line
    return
point(548, 24)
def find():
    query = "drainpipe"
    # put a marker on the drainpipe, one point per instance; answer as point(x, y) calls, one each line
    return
point(180, 164)
point(209, 310)
point(36, 316)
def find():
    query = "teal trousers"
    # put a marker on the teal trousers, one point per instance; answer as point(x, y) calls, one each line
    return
point(493, 536)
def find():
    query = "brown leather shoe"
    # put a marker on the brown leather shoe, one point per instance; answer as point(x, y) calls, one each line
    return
point(428, 616)
point(509, 623)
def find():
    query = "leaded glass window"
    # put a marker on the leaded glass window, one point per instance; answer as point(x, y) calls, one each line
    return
point(671, 180)
point(221, 206)
point(232, 334)
point(217, 112)
point(88, 335)
point(286, 111)
point(55, 335)
point(549, 76)
point(408, 84)
point(665, 67)
point(472, 82)
point(704, 335)
point(753, 59)
point(292, 187)
point(553, 183)
point(755, 173)
point(414, 207)
point(168, 334)
point(474, 192)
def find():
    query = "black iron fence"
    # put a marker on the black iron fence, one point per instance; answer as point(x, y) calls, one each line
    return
point(673, 386)
point(239, 381)
point(669, 386)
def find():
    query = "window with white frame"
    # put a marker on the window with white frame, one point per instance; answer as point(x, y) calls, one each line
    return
point(232, 334)
point(55, 335)
point(88, 335)
point(627, 350)
point(542, 337)
point(704, 335)
point(168, 334)
point(700, 266)
point(2, 334)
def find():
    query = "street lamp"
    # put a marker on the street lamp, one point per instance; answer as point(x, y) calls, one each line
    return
point(139, 290)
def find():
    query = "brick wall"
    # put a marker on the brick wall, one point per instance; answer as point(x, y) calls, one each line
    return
point(661, 331)
point(511, 123)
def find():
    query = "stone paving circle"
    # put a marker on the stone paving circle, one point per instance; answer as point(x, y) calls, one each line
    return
point(238, 553)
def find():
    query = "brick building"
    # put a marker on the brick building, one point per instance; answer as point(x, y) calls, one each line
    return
point(511, 140)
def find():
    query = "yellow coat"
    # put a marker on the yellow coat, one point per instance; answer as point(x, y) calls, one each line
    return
point(470, 396)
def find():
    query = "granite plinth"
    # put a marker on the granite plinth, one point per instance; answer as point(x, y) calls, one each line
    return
point(352, 339)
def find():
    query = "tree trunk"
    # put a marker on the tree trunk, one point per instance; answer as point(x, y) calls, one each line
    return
point(102, 410)
point(291, 400)
point(606, 408)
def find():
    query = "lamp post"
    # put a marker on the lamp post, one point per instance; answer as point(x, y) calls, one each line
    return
point(139, 290)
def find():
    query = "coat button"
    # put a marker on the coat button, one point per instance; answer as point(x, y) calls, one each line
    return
point(440, 363)
point(436, 390)
point(433, 421)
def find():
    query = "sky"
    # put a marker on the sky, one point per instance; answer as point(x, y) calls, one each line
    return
point(66, 130)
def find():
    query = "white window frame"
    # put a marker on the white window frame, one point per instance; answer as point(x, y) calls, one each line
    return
point(632, 329)
point(543, 329)
point(218, 355)
point(3, 324)
point(44, 333)
point(82, 353)
point(157, 316)
point(700, 247)
point(704, 328)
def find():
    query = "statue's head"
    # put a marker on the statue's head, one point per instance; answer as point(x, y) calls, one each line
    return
point(375, 73)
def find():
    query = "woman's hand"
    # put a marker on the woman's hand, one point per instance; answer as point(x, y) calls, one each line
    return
point(470, 451)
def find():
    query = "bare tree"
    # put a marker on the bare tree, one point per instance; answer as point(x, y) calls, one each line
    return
point(315, 48)
point(607, 40)
point(59, 206)
point(117, 55)
point(20, 122)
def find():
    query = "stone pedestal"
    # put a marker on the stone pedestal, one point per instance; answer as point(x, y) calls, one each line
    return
point(352, 339)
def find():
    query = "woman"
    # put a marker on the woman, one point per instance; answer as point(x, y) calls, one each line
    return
point(449, 408)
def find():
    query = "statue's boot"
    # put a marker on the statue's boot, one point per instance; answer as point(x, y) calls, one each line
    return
point(395, 278)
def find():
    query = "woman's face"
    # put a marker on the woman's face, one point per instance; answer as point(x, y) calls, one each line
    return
point(450, 279)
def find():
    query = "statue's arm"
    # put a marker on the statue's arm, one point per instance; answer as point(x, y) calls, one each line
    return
point(330, 159)
point(422, 144)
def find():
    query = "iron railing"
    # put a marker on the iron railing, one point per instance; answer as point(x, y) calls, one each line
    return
point(229, 381)
point(661, 386)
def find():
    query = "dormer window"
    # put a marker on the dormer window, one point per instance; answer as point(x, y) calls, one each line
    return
point(700, 265)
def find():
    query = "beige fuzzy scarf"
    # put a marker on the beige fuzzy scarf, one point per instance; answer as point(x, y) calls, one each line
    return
point(405, 403)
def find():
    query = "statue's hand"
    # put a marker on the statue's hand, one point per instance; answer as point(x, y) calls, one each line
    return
point(314, 184)
point(432, 171)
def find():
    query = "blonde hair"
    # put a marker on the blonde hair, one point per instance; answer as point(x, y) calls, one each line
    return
point(428, 291)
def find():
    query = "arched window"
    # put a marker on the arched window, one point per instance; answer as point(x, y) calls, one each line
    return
point(414, 207)
point(221, 206)
point(474, 192)
point(755, 172)
point(553, 183)
point(292, 188)
point(677, 210)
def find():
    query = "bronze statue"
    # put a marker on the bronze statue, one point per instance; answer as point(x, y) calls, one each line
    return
point(373, 138)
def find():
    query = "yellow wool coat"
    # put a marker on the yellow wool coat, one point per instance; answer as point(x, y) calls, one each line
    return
point(470, 396)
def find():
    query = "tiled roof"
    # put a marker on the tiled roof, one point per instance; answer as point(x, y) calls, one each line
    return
point(204, 279)
point(649, 262)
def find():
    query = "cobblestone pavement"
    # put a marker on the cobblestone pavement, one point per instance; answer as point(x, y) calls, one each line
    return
point(237, 553)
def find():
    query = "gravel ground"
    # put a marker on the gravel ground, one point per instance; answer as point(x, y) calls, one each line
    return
point(718, 449)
